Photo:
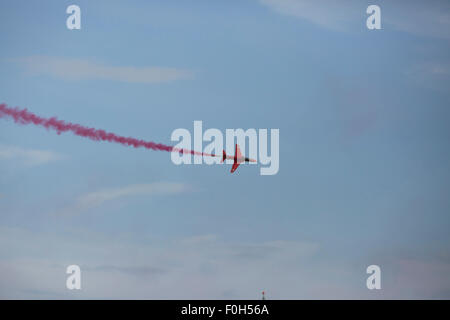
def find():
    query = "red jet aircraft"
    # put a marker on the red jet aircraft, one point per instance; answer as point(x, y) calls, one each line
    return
point(238, 158)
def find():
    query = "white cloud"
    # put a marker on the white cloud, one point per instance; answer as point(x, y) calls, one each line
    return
point(424, 18)
point(76, 69)
point(29, 157)
point(97, 198)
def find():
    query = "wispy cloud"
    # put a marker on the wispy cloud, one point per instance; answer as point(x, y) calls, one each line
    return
point(29, 157)
point(121, 266)
point(336, 15)
point(424, 18)
point(433, 75)
point(77, 69)
point(97, 198)
point(138, 271)
point(438, 69)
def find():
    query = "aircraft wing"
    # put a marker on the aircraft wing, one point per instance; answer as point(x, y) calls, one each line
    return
point(237, 159)
point(234, 167)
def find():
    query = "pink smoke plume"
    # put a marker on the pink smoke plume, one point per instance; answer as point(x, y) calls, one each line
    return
point(23, 116)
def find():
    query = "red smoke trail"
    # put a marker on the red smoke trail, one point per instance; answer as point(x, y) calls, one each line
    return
point(23, 116)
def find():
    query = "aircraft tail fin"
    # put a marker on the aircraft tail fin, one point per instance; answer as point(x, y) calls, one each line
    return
point(238, 153)
point(224, 156)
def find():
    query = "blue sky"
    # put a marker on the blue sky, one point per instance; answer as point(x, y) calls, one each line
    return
point(364, 153)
